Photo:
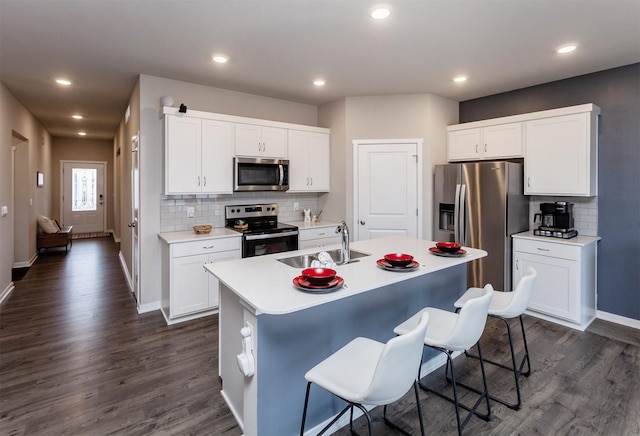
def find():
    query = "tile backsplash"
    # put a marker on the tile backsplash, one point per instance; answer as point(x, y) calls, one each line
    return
point(209, 209)
point(585, 212)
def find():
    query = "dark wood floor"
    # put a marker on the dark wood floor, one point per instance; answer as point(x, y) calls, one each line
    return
point(76, 358)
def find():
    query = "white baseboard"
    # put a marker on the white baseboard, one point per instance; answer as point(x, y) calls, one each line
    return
point(629, 322)
point(126, 271)
point(5, 293)
point(149, 307)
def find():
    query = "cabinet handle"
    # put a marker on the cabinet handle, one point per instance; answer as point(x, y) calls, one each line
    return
point(209, 247)
point(476, 148)
point(198, 180)
point(529, 182)
point(307, 181)
point(311, 178)
point(543, 249)
point(363, 222)
point(205, 180)
point(518, 264)
point(321, 234)
point(485, 148)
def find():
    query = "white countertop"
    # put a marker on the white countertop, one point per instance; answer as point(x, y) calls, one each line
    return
point(190, 235)
point(578, 240)
point(266, 285)
point(320, 223)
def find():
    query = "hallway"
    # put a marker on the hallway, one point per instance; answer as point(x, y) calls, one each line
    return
point(76, 358)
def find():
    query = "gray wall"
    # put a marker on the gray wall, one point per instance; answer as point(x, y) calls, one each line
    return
point(617, 93)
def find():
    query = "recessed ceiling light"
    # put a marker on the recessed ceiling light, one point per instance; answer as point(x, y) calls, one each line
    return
point(319, 82)
point(380, 12)
point(76, 117)
point(460, 79)
point(63, 82)
point(221, 59)
point(567, 48)
point(82, 133)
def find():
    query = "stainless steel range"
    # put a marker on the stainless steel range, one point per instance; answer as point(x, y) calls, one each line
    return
point(261, 231)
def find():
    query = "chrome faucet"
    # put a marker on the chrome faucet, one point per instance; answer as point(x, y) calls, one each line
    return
point(346, 254)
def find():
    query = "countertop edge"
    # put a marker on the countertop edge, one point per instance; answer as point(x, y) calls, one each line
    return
point(190, 235)
point(579, 240)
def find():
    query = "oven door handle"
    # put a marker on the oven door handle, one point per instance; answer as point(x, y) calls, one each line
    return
point(270, 235)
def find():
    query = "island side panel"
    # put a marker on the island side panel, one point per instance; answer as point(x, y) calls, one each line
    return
point(292, 344)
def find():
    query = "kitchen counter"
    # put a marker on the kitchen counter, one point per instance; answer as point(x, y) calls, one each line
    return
point(290, 331)
point(314, 224)
point(248, 278)
point(190, 235)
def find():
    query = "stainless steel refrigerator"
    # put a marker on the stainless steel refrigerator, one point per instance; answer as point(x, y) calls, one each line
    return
point(479, 205)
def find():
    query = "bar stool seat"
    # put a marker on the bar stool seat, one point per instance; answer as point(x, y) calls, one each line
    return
point(449, 332)
point(369, 372)
point(504, 306)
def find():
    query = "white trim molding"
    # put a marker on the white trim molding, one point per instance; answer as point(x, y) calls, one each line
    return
point(629, 322)
point(10, 287)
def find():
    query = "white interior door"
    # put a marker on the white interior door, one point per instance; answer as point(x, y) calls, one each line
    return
point(135, 207)
point(84, 196)
point(386, 189)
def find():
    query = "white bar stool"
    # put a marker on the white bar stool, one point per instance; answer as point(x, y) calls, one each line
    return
point(504, 306)
point(369, 372)
point(456, 331)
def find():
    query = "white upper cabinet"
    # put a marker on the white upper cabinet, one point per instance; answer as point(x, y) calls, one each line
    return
point(198, 155)
point(261, 141)
point(498, 141)
point(309, 161)
point(561, 155)
point(559, 147)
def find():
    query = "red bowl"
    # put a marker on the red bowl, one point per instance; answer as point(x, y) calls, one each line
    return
point(448, 247)
point(319, 276)
point(398, 259)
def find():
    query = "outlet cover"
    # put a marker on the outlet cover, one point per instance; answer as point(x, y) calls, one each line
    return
point(191, 212)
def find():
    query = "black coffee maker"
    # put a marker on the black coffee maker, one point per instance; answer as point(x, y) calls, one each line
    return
point(556, 219)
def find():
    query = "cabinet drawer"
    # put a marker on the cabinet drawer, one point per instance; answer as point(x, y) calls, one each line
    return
point(320, 232)
point(562, 251)
point(205, 246)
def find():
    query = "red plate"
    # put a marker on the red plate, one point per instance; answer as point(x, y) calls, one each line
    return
point(438, 252)
point(386, 265)
point(302, 283)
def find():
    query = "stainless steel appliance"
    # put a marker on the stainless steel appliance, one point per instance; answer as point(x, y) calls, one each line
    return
point(480, 205)
point(556, 220)
point(261, 231)
point(257, 174)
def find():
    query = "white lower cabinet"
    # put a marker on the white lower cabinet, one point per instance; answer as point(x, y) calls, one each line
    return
point(318, 237)
point(565, 289)
point(190, 291)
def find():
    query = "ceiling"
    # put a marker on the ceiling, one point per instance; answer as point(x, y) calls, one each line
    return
point(278, 47)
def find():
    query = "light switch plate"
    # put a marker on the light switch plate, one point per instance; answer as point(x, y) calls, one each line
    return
point(190, 212)
point(5, 210)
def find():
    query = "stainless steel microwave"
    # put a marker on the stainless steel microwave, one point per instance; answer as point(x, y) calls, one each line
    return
point(258, 174)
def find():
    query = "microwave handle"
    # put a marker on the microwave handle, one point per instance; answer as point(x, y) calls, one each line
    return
point(281, 168)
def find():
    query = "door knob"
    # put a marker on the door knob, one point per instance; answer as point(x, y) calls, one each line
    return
point(363, 222)
point(132, 224)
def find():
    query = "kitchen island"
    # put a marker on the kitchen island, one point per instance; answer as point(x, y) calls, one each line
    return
point(290, 331)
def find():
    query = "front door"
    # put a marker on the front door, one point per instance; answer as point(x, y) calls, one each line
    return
point(84, 196)
point(386, 189)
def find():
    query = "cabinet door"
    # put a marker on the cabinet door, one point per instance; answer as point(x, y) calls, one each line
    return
point(555, 291)
point(248, 140)
point(557, 156)
point(298, 161)
point(274, 142)
point(319, 162)
point(502, 141)
point(182, 154)
point(189, 285)
point(214, 283)
point(464, 144)
point(217, 156)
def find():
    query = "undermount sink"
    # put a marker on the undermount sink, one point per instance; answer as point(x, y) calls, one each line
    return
point(304, 260)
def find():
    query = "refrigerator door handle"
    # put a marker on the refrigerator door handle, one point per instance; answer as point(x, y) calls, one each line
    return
point(456, 215)
point(463, 215)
